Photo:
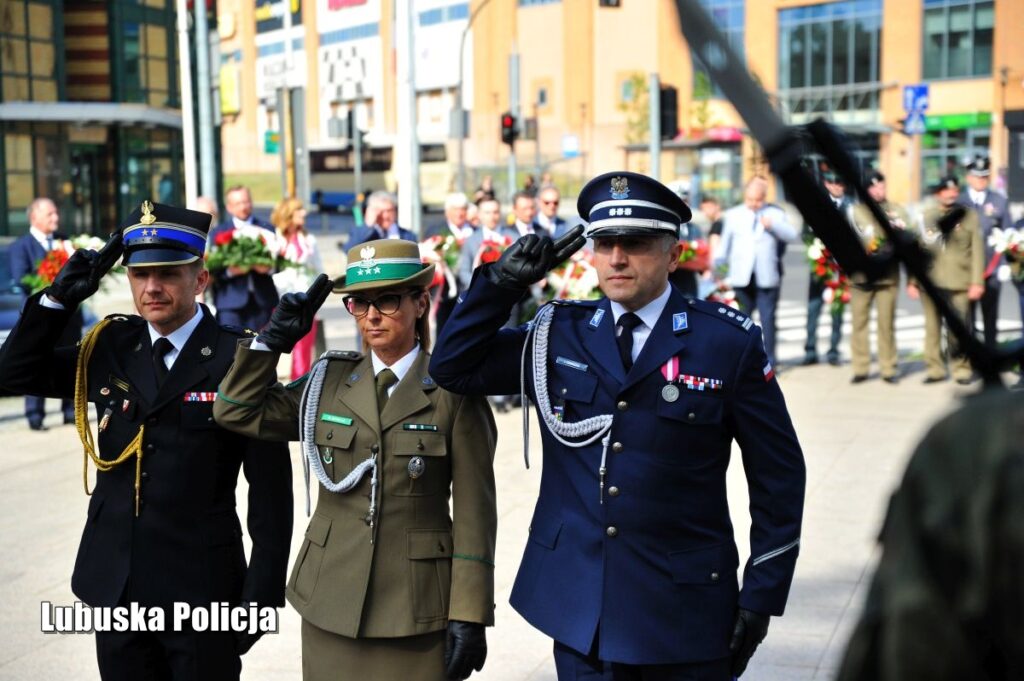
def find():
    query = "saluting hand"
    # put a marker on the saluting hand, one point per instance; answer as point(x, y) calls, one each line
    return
point(293, 317)
point(531, 257)
point(81, 274)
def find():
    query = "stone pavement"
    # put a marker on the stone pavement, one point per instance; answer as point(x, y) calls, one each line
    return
point(856, 440)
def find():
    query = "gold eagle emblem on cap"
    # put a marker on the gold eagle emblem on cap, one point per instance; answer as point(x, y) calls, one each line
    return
point(620, 188)
point(148, 217)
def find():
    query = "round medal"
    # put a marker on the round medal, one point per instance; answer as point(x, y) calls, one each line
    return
point(416, 467)
point(670, 393)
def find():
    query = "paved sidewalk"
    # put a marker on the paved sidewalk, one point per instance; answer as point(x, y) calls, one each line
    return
point(856, 440)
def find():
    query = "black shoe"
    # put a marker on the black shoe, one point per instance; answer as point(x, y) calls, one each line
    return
point(891, 380)
point(934, 379)
point(37, 426)
point(809, 360)
point(834, 361)
point(859, 378)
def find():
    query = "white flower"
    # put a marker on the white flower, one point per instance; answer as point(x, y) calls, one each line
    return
point(814, 251)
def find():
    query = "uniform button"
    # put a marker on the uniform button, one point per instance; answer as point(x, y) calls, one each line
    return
point(613, 491)
point(714, 576)
point(565, 391)
point(375, 449)
point(330, 435)
point(150, 448)
point(616, 447)
point(691, 416)
point(145, 475)
point(623, 405)
point(612, 531)
point(209, 419)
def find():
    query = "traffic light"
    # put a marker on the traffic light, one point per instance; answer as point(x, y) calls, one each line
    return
point(509, 128)
point(669, 102)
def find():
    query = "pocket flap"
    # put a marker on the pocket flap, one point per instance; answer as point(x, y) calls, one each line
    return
point(545, 530)
point(695, 409)
point(569, 383)
point(319, 528)
point(197, 415)
point(709, 565)
point(334, 435)
point(424, 544)
point(413, 443)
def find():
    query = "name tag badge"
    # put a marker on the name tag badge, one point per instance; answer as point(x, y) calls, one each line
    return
point(419, 426)
point(334, 418)
point(571, 363)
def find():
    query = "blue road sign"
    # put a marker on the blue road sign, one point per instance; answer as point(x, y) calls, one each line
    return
point(915, 97)
point(914, 125)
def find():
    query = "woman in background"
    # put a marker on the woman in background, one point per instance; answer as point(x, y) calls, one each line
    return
point(298, 248)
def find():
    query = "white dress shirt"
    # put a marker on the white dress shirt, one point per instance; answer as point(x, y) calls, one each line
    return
point(523, 228)
point(178, 338)
point(648, 314)
point(399, 368)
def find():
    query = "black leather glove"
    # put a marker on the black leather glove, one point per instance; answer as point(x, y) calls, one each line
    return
point(81, 274)
point(530, 258)
point(465, 649)
point(243, 639)
point(748, 632)
point(293, 316)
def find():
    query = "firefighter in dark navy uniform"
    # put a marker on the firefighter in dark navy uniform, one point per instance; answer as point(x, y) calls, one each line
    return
point(631, 565)
point(162, 526)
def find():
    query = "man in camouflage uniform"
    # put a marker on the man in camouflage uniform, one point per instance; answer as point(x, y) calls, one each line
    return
point(958, 270)
point(881, 292)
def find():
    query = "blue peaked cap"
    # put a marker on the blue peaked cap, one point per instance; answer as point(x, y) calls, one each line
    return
point(156, 234)
point(630, 204)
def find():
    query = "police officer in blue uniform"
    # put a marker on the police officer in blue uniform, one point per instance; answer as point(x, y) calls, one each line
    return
point(631, 562)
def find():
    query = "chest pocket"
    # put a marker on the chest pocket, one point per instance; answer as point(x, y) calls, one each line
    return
point(197, 416)
point(695, 409)
point(420, 465)
point(335, 442)
point(571, 385)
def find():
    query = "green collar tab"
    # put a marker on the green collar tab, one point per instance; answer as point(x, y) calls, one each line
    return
point(334, 418)
point(419, 426)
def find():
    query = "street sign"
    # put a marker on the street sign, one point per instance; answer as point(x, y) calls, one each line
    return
point(570, 146)
point(271, 141)
point(914, 124)
point(915, 97)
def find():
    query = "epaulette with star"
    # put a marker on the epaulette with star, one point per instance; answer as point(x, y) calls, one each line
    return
point(238, 330)
point(724, 313)
point(348, 355)
point(130, 318)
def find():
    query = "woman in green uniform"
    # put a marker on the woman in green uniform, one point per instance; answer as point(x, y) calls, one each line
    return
point(388, 583)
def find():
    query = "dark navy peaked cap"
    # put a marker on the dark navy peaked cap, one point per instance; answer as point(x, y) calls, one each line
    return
point(630, 204)
point(156, 234)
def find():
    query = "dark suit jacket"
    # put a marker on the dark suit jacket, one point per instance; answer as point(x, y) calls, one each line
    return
point(24, 255)
point(653, 567)
point(993, 214)
point(234, 293)
point(438, 229)
point(186, 543)
point(362, 234)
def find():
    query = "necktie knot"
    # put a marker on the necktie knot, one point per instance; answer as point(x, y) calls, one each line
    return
point(624, 337)
point(161, 347)
point(385, 379)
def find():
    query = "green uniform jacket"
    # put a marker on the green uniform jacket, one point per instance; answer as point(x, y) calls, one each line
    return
point(960, 260)
point(874, 239)
point(421, 569)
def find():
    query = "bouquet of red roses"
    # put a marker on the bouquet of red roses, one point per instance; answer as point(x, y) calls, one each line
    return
point(491, 250)
point(826, 271)
point(575, 279)
point(695, 255)
point(245, 247)
point(46, 270)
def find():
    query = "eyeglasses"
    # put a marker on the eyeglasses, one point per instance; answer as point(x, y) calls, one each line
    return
point(387, 304)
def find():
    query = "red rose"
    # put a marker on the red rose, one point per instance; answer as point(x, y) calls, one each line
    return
point(223, 237)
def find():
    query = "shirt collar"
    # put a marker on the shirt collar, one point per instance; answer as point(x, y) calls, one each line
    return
point(239, 222)
point(650, 312)
point(523, 228)
point(39, 236)
point(399, 368)
point(179, 337)
point(976, 196)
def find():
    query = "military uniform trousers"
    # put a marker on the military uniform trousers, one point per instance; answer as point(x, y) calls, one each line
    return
point(883, 297)
point(934, 358)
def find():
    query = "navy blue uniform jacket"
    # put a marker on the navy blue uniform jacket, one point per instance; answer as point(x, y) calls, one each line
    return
point(186, 543)
point(233, 293)
point(662, 584)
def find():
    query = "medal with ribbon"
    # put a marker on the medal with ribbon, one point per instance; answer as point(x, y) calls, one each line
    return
point(670, 393)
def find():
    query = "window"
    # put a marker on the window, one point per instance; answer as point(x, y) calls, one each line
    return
point(943, 152)
point(145, 54)
point(958, 38)
point(728, 15)
point(829, 57)
point(29, 68)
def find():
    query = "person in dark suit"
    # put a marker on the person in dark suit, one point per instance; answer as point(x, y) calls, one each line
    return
point(243, 297)
point(381, 222)
point(631, 562)
point(816, 287)
point(455, 225)
point(24, 255)
point(524, 209)
point(548, 201)
point(993, 213)
point(161, 526)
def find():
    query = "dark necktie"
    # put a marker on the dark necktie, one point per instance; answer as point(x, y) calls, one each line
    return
point(624, 337)
point(385, 380)
point(160, 349)
point(49, 243)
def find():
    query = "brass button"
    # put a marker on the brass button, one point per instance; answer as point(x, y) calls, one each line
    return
point(613, 491)
point(616, 447)
point(691, 416)
point(623, 405)
point(714, 576)
point(612, 531)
